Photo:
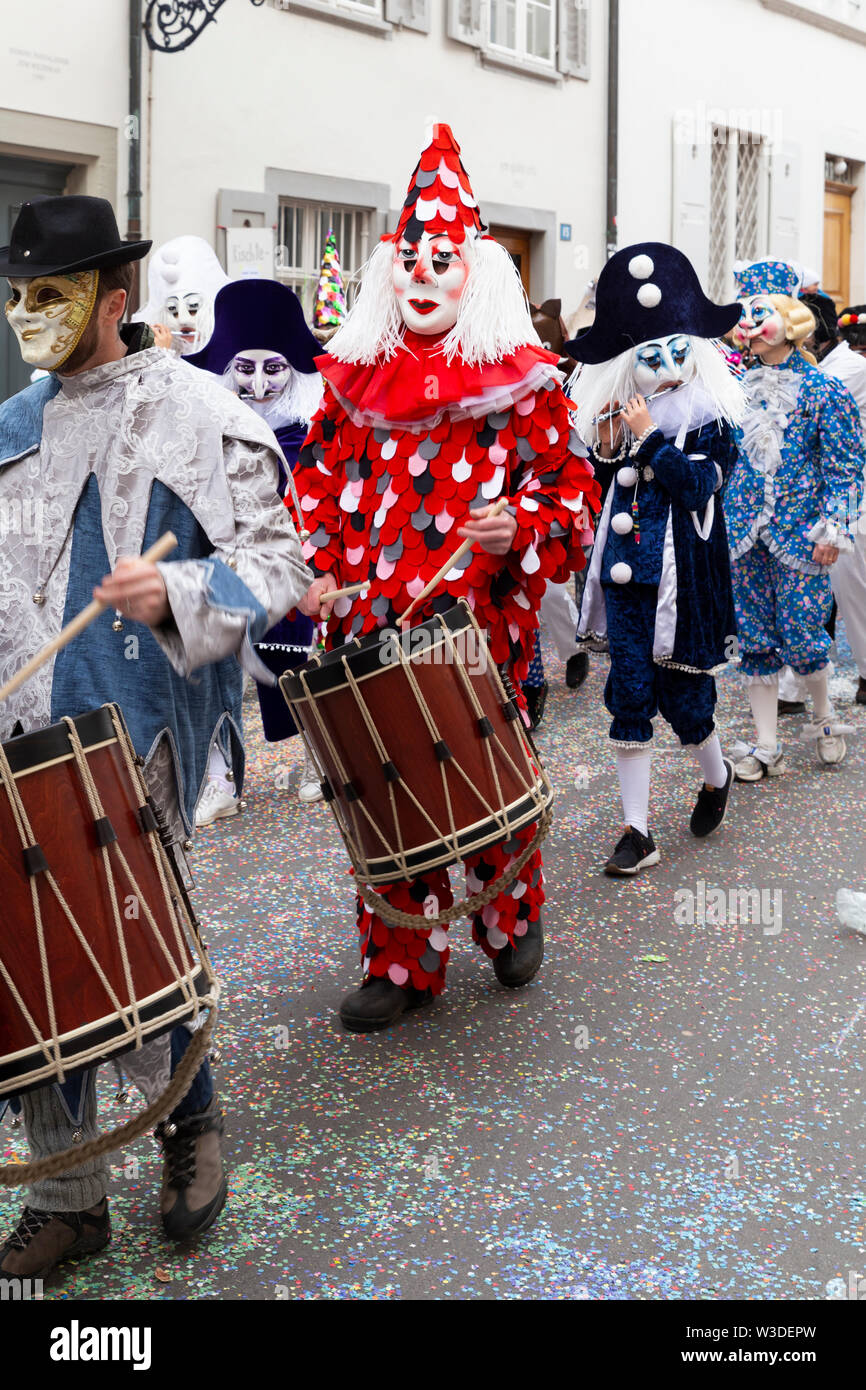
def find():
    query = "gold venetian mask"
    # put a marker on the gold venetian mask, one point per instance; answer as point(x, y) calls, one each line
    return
point(49, 313)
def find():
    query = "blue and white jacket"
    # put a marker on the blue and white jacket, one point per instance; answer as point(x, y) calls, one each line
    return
point(799, 473)
point(99, 465)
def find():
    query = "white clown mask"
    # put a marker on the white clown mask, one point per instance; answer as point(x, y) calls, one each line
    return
point(662, 363)
point(761, 326)
point(49, 313)
point(260, 374)
point(429, 277)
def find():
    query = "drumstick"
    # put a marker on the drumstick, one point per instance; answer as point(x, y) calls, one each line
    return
point(440, 574)
point(158, 551)
point(350, 592)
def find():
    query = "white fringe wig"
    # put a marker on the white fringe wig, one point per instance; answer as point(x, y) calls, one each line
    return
point(493, 317)
point(713, 387)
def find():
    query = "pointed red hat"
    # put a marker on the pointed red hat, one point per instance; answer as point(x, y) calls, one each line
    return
point(440, 198)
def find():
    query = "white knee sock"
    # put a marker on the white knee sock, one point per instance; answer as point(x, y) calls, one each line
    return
point(709, 755)
point(764, 699)
point(218, 769)
point(821, 707)
point(633, 771)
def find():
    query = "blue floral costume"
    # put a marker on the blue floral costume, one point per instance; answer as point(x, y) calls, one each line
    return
point(796, 483)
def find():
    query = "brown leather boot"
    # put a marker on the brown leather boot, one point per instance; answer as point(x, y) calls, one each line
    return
point(194, 1186)
point(42, 1239)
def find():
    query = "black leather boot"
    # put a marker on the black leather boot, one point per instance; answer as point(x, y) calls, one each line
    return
point(576, 670)
point(516, 965)
point(379, 1003)
point(536, 698)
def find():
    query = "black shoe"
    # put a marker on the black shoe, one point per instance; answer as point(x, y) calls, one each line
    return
point(516, 965)
point(43, 1239)
point(536, 698)
point(633, 853)
point(194, 1185)
point(379, 1003)
point(792, 706)
point(576, 670)
point(860, 697)
point(710, 806)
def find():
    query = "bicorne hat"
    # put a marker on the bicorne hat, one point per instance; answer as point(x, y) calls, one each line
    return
point(58, 236)
point(257, 314)
point(649, 290)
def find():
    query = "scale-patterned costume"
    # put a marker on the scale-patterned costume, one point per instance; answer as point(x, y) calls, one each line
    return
point(388, 475)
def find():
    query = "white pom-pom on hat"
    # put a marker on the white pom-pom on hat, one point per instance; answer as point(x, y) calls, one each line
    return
point(641, 267)
point(620, 573)
point(649, 296)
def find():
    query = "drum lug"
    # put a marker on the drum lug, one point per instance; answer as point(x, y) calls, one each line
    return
point(77, 1136)
point(187, 844)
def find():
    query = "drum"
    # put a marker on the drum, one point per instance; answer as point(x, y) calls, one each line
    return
point(425, 755)
point(99, 950)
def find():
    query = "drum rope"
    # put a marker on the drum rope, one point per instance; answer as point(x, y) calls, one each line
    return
point(400, 855)
point(182, 981)
point(478, 711)
point(395, 917)
point(19, 1174)
point(25, 833)
point(97, 811)
point(433, 731)
point(539, 800)
point(157, 850)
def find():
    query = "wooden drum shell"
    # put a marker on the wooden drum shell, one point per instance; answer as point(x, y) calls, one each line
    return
point(165, 983)
point(495, 783)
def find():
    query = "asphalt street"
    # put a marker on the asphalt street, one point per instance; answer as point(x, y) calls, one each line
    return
point(672, 1110)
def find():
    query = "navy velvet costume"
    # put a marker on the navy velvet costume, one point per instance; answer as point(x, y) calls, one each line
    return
point(672, 623)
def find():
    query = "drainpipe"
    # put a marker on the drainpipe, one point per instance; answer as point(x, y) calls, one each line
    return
point(611, 234)
point(133, 136)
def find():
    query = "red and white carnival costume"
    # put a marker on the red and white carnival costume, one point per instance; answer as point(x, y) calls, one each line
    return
point(399, 454)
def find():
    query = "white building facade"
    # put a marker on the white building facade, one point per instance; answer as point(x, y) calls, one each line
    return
point(743, 133)
point(740, 125)
point(307, 114)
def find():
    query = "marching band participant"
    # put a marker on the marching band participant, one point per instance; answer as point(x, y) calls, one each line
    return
point(120, 443)
point(790, 502)
point(656, 400)
point(439, 399)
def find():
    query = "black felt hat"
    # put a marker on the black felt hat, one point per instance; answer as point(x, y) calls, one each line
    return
point(56, 236)
point(646, 291)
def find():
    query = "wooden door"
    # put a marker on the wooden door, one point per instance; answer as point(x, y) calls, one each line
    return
point(517, 244)
point(836, 277)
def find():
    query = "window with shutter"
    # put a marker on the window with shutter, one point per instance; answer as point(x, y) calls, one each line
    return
point(573, 55)
point(409, 14)
point(467, 21)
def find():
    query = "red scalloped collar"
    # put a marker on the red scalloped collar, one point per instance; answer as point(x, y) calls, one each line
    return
point(418, 384)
